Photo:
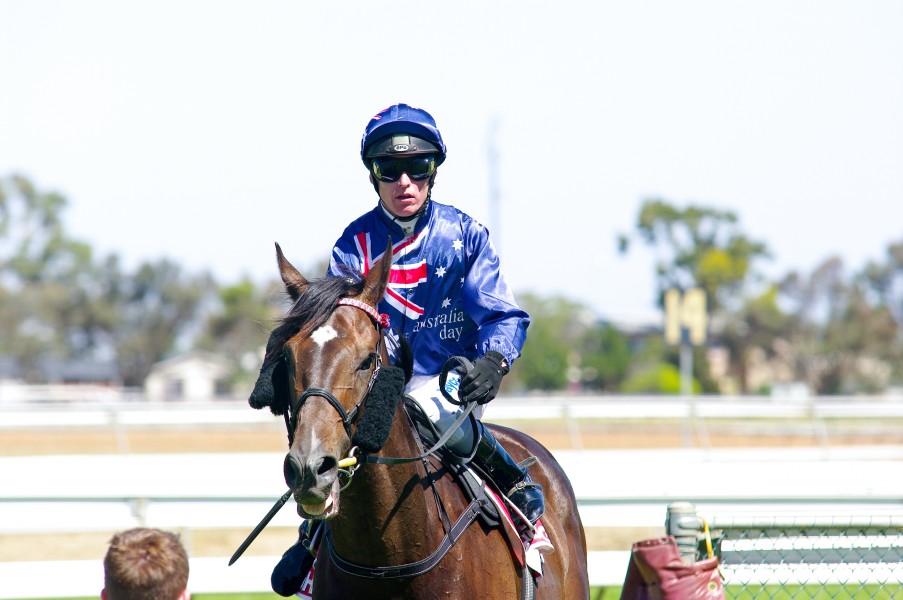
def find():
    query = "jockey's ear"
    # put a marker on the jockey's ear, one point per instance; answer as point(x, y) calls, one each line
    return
point(295, 283)
point(378, 277)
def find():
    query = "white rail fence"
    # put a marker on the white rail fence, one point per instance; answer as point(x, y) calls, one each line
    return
point(186, 492)
point(614, 489)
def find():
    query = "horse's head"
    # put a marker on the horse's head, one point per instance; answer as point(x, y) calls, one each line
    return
point(322, 362)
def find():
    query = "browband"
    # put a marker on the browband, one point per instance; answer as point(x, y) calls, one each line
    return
point(381, 318)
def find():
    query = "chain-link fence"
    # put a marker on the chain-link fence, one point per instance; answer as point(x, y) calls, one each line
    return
point(800, 557)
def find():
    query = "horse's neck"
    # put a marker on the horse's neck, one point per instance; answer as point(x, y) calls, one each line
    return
point(388, 510)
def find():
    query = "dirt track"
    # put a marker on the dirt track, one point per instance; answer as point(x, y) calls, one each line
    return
point(271, 438)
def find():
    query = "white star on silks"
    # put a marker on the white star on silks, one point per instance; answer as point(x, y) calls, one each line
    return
point(457, 244)
point(440, 272)
point(446, 303)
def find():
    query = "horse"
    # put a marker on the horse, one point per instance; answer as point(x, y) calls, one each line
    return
point(387, 517)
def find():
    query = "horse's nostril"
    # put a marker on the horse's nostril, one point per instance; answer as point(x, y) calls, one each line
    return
point(291, 470)
point(326, 465)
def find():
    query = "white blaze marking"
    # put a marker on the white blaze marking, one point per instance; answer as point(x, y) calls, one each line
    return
point(324, 334)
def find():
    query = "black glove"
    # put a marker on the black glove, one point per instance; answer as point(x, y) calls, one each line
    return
point(482, 382)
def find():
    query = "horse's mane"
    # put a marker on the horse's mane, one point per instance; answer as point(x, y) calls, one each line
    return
point(311, 310)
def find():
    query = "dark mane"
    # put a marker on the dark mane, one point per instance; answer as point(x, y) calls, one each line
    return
point(311, 310)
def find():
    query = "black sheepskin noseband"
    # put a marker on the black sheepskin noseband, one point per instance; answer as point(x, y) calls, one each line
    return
point(379, 410)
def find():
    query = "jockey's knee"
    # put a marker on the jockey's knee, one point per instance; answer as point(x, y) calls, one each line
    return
point(462, 440)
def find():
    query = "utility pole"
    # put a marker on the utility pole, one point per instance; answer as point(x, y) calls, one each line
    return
point(492, 162)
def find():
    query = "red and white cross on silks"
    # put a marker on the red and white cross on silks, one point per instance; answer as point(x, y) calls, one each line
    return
point(401, 276)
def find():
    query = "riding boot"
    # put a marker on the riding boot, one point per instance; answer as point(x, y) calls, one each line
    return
point(514, 481)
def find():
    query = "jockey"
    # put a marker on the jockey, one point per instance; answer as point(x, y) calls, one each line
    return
point(446, 295)
point(446, 292)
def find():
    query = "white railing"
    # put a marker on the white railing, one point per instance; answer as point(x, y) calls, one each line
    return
point(630, 488)
point(614, 489)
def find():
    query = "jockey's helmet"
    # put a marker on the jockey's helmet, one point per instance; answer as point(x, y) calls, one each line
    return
point(401, 130)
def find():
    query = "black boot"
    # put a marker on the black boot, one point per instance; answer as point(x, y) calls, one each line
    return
point(514, 482)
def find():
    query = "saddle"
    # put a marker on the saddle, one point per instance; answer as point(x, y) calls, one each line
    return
point(475, 484)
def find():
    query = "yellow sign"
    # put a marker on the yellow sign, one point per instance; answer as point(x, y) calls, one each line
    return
point(687, 312)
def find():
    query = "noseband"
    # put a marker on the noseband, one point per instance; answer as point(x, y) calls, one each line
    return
point(291, 419)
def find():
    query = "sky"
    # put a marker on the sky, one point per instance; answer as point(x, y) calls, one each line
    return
point(205, 131)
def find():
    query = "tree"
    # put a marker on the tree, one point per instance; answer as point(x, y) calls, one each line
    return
point(604, 357)
point(844, 335)
point(544, 362)
point(699, 247)
point(568, 347)
point(239, 326)
point(44, 275)
point(156, 308)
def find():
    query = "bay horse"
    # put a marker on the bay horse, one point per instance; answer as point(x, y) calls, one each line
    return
point(384, 517)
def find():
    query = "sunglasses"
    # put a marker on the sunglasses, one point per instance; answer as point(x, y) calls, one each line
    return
point(389, 170)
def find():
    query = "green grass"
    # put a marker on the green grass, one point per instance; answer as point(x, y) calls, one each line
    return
point(597, 593)
point(888, 591)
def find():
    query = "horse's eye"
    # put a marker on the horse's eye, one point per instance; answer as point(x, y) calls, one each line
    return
point(368, 362)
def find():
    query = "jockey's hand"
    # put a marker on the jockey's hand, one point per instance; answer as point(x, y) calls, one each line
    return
point(482, 382)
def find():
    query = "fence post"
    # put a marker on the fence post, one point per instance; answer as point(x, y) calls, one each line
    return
point(681, 522)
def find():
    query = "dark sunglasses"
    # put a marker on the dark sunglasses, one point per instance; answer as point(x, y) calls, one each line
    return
point(389, 170)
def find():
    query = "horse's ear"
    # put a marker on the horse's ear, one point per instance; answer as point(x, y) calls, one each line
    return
point(295, 283)
point(378, 277)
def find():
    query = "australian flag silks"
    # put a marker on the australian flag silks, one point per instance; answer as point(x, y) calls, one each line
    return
point(446, 292)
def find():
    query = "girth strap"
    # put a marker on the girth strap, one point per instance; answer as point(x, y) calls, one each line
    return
point(415, 568)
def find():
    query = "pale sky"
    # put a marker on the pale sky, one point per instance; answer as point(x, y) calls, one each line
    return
point(206, 131)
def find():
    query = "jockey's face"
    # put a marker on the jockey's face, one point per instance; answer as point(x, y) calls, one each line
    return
point(403, 197)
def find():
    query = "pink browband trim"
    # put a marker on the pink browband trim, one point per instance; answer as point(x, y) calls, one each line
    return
point(381, 318)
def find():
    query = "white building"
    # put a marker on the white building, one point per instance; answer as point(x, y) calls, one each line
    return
point(193, 376)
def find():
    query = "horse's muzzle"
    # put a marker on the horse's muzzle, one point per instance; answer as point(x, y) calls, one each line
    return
point(311, 475)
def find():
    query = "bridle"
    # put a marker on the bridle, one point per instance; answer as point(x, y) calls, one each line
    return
point(382, 321)
point(348, 465)
point(291, 417)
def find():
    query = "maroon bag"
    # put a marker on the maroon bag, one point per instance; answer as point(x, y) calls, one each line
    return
point(657, 572)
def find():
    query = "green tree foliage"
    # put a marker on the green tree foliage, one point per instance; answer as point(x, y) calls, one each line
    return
point(239, 326)
point(156, 306)
point(568, 347)
point(698, 247)
point(759, 323)
point(544, 362)
point(41, 311)
point(661, 378)
point(844, 335)
point(58, 302)
point(34, 247)
point(605, 358)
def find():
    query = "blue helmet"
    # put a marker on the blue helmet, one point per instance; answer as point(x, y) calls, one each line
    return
point(401, 129)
